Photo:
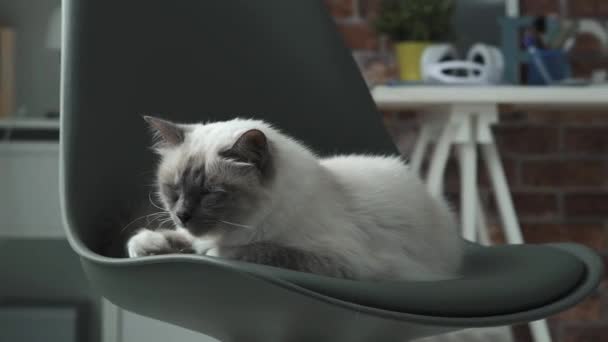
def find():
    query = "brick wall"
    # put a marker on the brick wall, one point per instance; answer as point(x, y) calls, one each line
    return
point(556, 162)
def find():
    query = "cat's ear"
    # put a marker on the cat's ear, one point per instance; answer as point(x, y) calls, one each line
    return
point(167, 133)
point(252, 148)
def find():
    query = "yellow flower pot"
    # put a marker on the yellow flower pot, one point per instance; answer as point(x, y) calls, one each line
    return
point(409, 55)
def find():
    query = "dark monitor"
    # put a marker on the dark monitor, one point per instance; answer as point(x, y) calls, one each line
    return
point(477, 21)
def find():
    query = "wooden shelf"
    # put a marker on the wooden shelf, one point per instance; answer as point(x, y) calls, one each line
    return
point(29, 123)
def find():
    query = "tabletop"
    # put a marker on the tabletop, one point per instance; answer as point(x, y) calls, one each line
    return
point(555, 96)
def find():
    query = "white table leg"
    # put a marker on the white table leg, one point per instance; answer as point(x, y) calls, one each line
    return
point(466, 152)
point(420, 148)
point(468, 135)
point(468, 192)
point(503, 196)
point(540, 331)
point(440, 157)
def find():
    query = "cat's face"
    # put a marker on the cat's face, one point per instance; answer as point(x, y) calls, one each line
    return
point(210, 181)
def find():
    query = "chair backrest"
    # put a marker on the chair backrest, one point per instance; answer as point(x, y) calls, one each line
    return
point(192, 60)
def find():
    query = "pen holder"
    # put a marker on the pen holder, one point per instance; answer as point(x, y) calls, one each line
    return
point(547, 66)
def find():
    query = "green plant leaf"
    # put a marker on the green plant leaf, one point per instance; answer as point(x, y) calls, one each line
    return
point(415, 20)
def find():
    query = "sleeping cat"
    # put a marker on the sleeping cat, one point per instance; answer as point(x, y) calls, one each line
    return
point(243, 190)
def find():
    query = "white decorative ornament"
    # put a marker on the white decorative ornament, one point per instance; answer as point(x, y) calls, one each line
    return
point(484, 65)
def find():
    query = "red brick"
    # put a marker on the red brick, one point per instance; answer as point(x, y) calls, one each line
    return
point(568, 117)
point(369, 9)
point(588, 140)
point(564, 173)
point(510, 115)
point(585, 333)
point(453, 199)
point(592, 235)
point(407, 115)
point(604, 287)
point(527, 139)
point(452, 173)
point(602, 8)
point(587, 43)
point(586, 205)
point(532, 7)
point(497, 235)
point(341, 8)
point(452, 176)
point(387, 114)
point(521, 333)
point(581, 8)
point(358, 35)
point(584, 67)
point(510, 166)
point(403, 131)
point(588, 310)
point(534, 205)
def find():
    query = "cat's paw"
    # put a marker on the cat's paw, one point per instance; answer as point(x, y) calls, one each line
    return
point(213, 252)
point(147, 242)
point(205, 246)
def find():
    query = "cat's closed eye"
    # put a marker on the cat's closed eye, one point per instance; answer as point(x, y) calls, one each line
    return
point(214, 198)
point(215, 191)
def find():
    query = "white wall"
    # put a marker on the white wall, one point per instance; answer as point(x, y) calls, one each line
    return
point(37, 79)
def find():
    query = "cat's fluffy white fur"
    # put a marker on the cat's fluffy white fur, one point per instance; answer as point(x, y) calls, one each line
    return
point(370, 211)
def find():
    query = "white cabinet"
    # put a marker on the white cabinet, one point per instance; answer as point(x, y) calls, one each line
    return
point(29, 190)
point(30, 209)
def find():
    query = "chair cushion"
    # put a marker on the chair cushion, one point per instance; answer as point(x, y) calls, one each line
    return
point(495, 281)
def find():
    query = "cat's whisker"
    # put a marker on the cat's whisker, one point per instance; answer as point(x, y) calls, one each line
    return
point(149, 219)
point(157, 217)
point(135, 220)
point(236, 224)
point(158, 214)
point(163, 222)
point(152, 202)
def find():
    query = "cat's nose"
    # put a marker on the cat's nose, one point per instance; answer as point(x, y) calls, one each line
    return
point(184, 216)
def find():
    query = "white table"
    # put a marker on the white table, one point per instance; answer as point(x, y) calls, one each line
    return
point(462, 116)
point(403, 97)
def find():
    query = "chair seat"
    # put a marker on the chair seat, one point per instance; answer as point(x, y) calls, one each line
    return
point(496, 281)
point(501, 285)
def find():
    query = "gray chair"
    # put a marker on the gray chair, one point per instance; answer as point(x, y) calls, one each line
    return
point(282, 61)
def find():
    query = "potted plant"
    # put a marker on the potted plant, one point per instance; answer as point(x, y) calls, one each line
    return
point(413, 25)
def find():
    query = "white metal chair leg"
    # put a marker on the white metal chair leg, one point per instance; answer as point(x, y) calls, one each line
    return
point(111, 322)
point(420, 148)
point(503, 196)
point(469, 192)
point(440, 157)
point(540, 331)
point(466, 153)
